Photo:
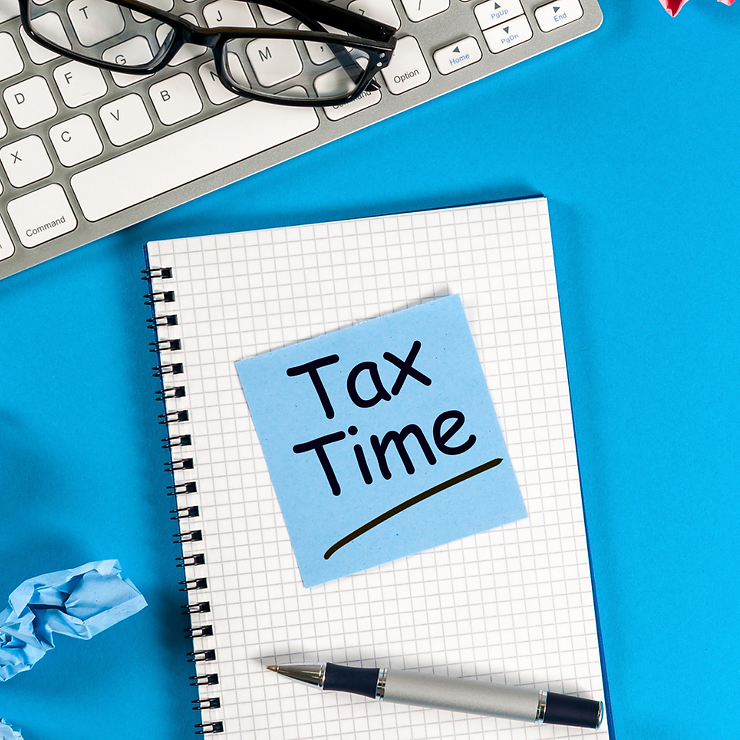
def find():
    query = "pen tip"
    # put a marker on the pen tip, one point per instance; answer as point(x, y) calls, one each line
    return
point(272, 668)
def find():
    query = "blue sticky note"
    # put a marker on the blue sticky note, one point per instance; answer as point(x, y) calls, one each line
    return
point(381, 440)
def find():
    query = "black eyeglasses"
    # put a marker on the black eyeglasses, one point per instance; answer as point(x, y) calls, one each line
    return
point(299, 63)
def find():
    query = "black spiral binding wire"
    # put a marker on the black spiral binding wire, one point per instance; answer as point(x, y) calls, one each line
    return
point(185, 515)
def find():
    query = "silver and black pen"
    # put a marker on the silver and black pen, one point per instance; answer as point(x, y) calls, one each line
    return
point(453, 694)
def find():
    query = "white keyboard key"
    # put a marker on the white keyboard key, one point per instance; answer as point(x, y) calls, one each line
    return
point(274, 60)
point(175, 99)
point(126, 119)
point(229, 13)
point(419, 10)
point(228, 137)
point(367, 99)
point(7, 248)
point(407, 69)
point(79, 83)
point(30, 102)
point(25, 161)
point(132, 52)
point(272, 16)
point(496, 11)
point(557, 14)
point(49, 26)
point(215, 90)
point(236, 71)
point(456, 56)
point(39, 54)
point(9, 9)
point(333, 83)
point(95, 20)
point(504, 36)
point(3, 131)
point(379, 10)
point(42, 215)
point(10, 60)
point(75, 140)
point(165, 5)
point(320, 53)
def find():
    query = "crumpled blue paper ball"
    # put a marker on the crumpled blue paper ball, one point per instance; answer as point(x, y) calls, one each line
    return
point(79, 603)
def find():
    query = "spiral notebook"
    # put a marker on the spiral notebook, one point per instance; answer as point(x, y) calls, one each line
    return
point(512, 605)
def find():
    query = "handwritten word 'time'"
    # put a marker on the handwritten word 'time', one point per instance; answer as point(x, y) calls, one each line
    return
point(366, 389)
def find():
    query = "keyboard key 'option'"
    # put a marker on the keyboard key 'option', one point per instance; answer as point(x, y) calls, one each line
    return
point(557, 14)
point(504, 36)
point(458, 55)
point(407, 69)
point(42, 215)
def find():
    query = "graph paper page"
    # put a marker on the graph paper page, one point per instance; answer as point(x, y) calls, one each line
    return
point(512, 605)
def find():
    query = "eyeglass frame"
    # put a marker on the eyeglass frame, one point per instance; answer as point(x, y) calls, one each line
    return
point(377, 40)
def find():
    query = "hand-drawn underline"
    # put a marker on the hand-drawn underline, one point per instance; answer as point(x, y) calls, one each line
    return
point(407, 504)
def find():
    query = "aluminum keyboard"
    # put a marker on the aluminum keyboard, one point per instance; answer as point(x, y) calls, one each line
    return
point(85, 152)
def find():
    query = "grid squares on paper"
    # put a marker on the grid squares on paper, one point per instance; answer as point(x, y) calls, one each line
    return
point(510, 605)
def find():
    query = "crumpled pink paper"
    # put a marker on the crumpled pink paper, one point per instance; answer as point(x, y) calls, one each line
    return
point(673, 6)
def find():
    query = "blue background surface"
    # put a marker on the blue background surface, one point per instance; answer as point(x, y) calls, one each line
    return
point(632, 133)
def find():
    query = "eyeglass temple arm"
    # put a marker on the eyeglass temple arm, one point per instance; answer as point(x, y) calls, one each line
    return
point(331, 15)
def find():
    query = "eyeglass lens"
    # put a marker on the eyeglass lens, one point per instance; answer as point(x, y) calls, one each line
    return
point(288, 69)
point(293, 69)
point(99, 30)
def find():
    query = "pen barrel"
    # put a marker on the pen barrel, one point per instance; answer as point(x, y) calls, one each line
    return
point(461, 695)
